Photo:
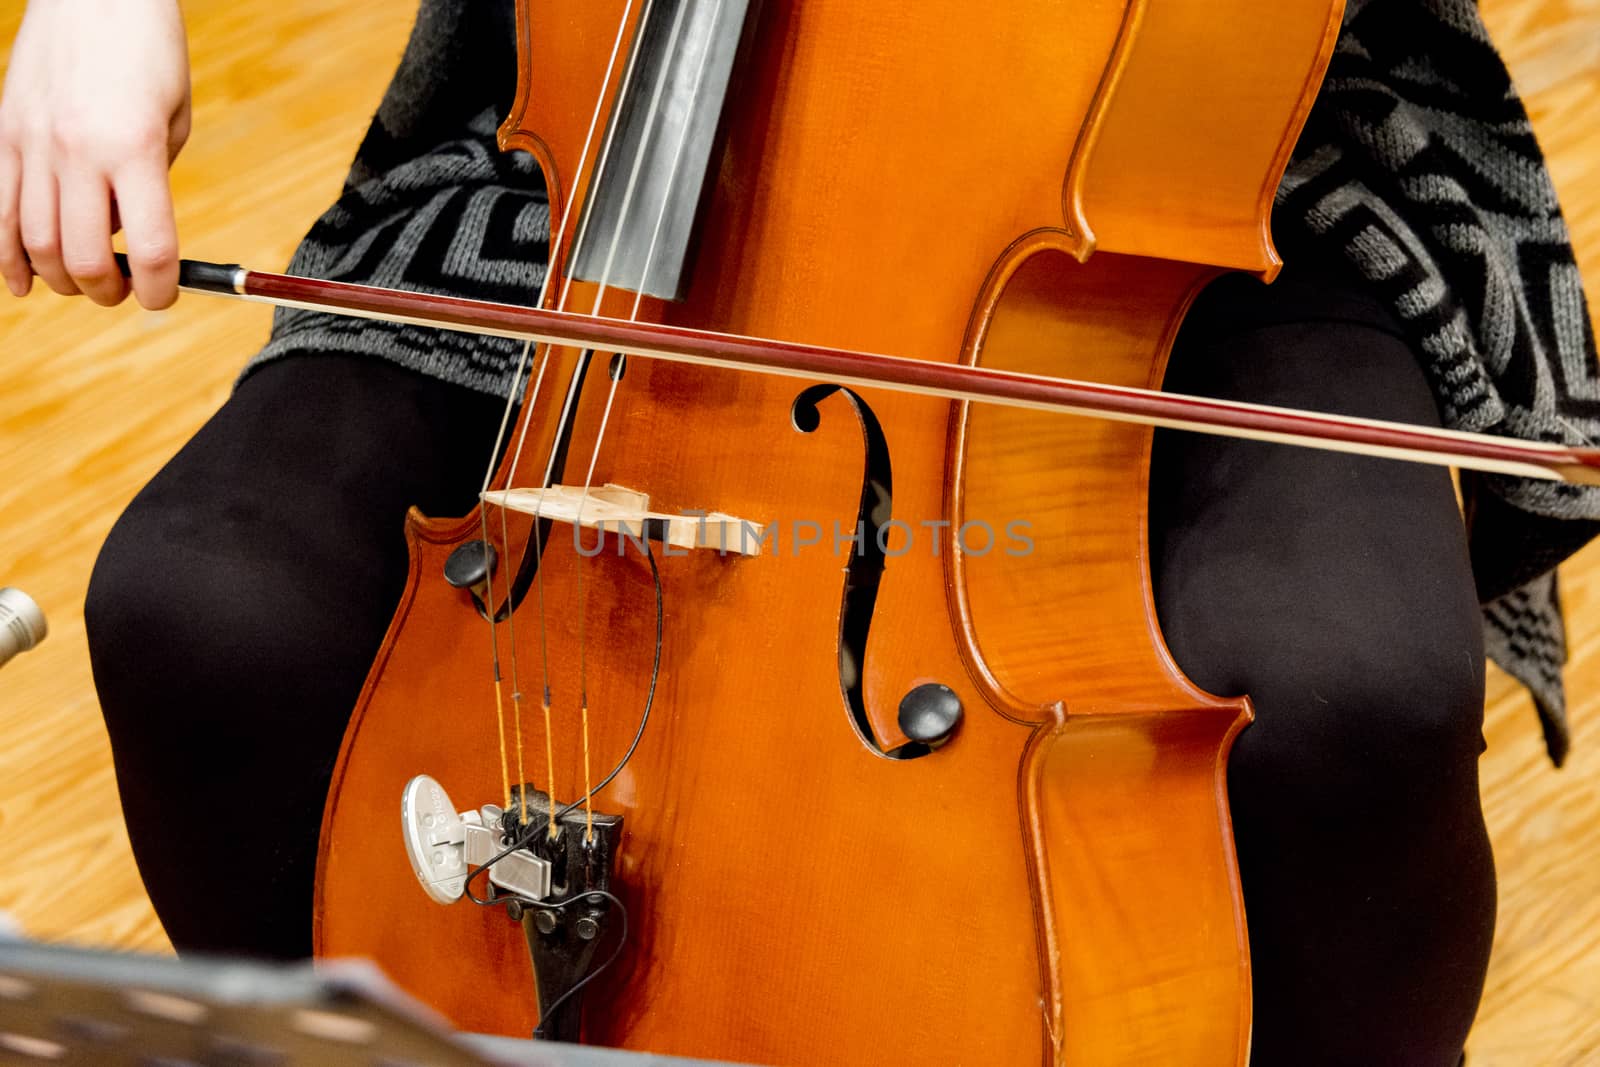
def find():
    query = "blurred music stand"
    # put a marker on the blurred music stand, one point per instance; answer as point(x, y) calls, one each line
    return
point(76, 1006)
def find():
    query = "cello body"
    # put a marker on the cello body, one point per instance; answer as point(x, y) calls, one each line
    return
point(1033, 185)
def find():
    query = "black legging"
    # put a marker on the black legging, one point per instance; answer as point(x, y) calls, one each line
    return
point(1335, 591)
point(240, 599)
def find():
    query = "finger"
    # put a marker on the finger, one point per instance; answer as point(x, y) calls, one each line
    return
point(86, 237)
point(41, 229)
point(13, 264)
point(144, 202)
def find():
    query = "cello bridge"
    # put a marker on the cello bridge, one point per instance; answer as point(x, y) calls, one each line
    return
point(625, 512)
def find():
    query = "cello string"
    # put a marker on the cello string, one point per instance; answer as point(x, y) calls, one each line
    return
point(652, 113)
point(601, 160)
point(494, 643)
point(526, 420)
point(511, 616)
point(611, 396)
point(569, 406)
point(568, 415)
point(511, 625)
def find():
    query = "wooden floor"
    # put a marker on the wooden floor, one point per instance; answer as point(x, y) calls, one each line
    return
point(92, 402)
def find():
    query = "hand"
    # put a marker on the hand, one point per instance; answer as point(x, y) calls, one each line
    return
point(95, 108)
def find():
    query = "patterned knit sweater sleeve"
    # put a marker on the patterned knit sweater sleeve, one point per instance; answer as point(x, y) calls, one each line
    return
point(1418, 167)
point(432, 205)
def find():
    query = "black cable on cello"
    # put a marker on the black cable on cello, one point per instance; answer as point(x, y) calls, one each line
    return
point(594, 972)
point(650, 697)
point(528, 835)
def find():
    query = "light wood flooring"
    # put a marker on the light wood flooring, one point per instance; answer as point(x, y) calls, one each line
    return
point(92, 402)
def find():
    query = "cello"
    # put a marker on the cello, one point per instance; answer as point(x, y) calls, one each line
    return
point(851, 793)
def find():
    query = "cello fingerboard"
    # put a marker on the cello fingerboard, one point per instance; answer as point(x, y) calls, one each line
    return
point(638, 223)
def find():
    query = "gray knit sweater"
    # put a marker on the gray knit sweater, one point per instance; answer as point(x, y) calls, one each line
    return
point(1418, 167)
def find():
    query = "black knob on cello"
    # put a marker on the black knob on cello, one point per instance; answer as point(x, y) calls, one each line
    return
point(930, 714)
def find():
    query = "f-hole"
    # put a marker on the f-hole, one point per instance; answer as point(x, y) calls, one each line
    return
point(865, 572)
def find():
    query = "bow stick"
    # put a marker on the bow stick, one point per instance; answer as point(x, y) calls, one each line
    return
point(951, 381)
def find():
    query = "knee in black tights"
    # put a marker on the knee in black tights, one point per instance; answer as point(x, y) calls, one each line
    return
point(1386, 701)
point(209, 674)
point(233, 614)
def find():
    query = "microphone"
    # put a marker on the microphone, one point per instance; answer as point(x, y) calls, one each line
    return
point(21, 623)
